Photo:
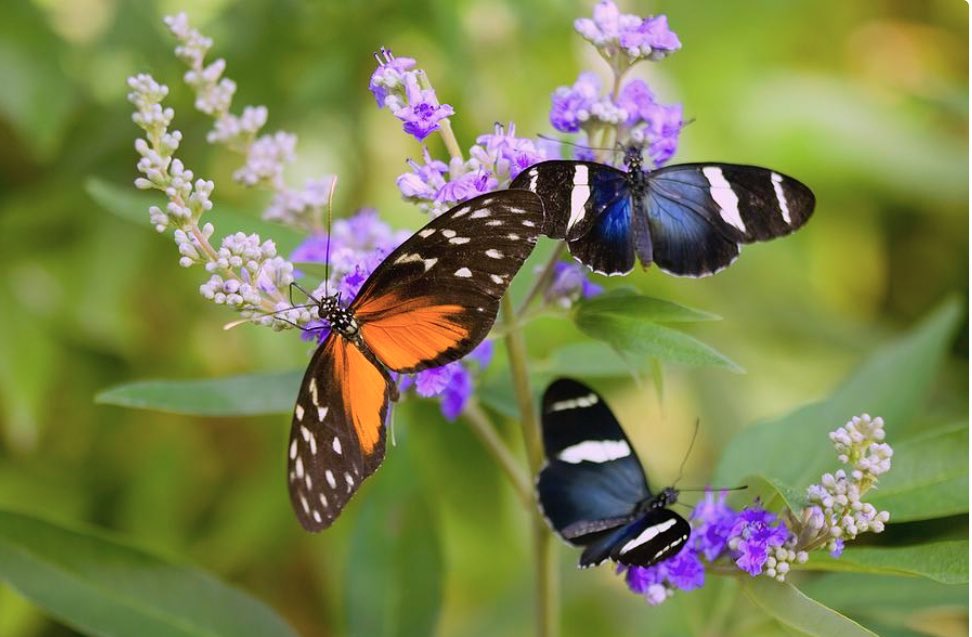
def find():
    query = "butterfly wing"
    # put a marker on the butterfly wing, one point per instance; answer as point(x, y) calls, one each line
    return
point(593, 479)
point(434, 298)
point(337, 438)
point(698, 214)
point(576, 194)
point(655, 536)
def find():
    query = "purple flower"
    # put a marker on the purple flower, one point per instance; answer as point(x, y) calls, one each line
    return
point(636, 99)
point(389, 76)
point(684, 572)
point(753, 534)
point(569, 285)
point(466, 187)
point(422, 113)
point(651, 39)
point(712, 520)
point(639, 38)
point(571, 106)
point(425, 180)
point(505, 154)
point(456, 393)
point(838, 548)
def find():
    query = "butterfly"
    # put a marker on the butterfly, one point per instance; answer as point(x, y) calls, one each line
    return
point(430, 302)
point(592, 489)
point(690, 219)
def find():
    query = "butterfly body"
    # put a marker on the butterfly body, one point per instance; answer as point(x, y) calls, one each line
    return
point(430, 302)
point(689, 219)
point(592, 489)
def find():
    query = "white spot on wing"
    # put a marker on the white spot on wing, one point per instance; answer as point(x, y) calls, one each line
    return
point(299, 412)
point(304, 505)
point(724, 196)
point(299, 468)
point(312, 386)
point(533, 179)
point(494, 222)
point(462, 212)
point(480, 214)
point(574, 403)
point(323, 499)
point(517, 211)
point(595, 451)
point(408, 258)
point(305, 432)
point(448, 234)
point(494, 254)
point(349, 480)
point(463, 273)
point(458, 241)
point(321, 412)
point(528, 223)
point(648, 534)
point(579, 195)
point(329, 476)
point(496, 278)
point(336, 445)
point(781, 196)
point(293, 448)
point(317, 516)
point(429, 263)
point(513, 236)
point(428, 232)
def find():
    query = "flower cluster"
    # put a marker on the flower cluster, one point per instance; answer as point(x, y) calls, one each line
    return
point(629, 114)
point(266, 155)
point(406, 92)
point(245, 272)
point(759, 542)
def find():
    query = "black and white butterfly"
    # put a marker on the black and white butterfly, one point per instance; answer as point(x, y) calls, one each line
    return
point(593, 490)
point(690, 219)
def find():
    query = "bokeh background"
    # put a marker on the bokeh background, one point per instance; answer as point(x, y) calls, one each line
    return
point(867, 102)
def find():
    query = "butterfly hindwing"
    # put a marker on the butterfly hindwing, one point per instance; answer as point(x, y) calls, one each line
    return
point(337, 438)
point(593, 479)
point(435, 297)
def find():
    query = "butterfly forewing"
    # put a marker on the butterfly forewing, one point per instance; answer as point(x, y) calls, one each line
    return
point(657, 536)
point(593, 479)
point(575, 193)
point(337, 438)
point(436, 296)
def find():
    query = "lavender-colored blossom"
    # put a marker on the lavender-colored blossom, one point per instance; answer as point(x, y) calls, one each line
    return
point(712, 521)
point(838, 548)
point(456, 393)
point(569, 285)
point(466, 187)
point(425, 180)
point(422, 111)
point(571, 105)
point(754, 533)
point(656, 583)
point(652, 39)
point(389, 76)
point(505, 154)
point(613, 32)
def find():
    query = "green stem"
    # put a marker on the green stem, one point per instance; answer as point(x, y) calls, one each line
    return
point(480, 424)
point(544, 563)
point(449, 138)
point(542, 280)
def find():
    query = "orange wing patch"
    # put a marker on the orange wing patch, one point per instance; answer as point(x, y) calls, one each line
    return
point(412, 334)
point(363, 392)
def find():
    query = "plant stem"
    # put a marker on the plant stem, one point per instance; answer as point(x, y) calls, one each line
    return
point(484, 430)
point(543, 556)
point(449, 138)
point(543, 279)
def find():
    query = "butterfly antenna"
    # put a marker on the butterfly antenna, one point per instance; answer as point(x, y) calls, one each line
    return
point(681, 468)
point(327, 249)
point(574, 144)
point(714, 489)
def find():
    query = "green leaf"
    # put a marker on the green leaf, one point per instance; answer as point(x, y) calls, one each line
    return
point(893, 384)
point(248, 395)
point(101, 586)
point(132, 204)
point(395, 561)
point(795, 610)
point(628, 324)
point(627, 305)
point(590, 359)
point(929, 476)
point(945, 562)
point(882, 594)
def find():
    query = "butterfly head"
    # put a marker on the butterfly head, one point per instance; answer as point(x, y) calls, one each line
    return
point(633, 157)
point(340, 318)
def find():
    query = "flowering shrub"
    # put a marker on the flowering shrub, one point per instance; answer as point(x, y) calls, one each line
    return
point(760, 542)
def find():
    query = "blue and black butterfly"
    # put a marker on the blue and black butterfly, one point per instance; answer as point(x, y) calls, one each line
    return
point(593, 490)
point(690, 219)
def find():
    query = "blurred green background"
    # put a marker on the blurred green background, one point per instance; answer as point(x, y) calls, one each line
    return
point(867, 102)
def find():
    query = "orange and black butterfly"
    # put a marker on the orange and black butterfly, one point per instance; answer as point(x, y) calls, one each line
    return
point(430, 302)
